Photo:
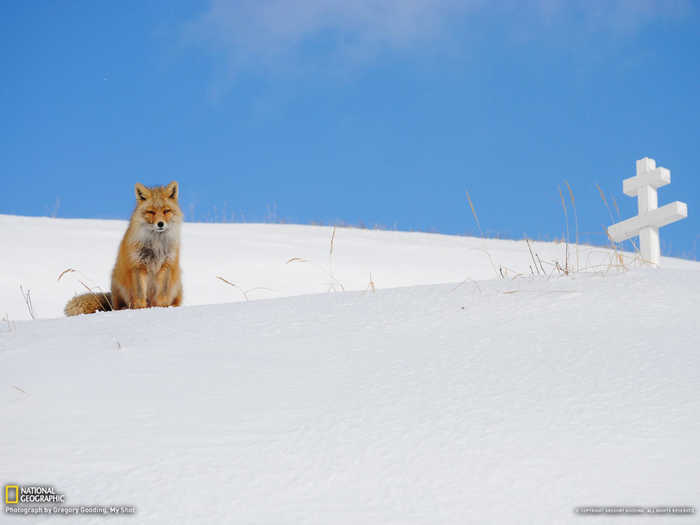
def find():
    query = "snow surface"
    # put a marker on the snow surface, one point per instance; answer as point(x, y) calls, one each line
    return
point(479, 401)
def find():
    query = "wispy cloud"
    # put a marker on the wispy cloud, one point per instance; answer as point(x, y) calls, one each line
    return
point(260, 32)
point(255, 31)
point(613, 15)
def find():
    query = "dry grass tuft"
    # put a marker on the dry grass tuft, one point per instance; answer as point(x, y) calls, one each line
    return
point(499, 271)
point(566, 265)
point(617, 260)
point(27, 296)
point(334, 284)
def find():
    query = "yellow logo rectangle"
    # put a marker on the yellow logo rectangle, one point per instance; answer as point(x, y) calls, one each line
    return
point(7, 494)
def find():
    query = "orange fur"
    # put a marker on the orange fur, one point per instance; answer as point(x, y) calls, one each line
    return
point(147, 271)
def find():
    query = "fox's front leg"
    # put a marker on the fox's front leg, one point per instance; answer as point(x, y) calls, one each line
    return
point(139, 288)
point(163, 283)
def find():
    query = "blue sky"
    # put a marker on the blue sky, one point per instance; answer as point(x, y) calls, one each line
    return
point(365, 112)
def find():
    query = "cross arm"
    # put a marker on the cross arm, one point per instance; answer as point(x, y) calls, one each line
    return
point(655, 218)
point(655, 178)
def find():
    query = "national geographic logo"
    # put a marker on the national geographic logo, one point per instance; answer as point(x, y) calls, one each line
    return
point(17, 494)
point(33, 500)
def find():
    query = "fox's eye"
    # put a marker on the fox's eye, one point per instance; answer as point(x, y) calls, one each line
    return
point(149, 212)
point(167, 211)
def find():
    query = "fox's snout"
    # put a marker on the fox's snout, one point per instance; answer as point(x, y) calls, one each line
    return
point(158, 221)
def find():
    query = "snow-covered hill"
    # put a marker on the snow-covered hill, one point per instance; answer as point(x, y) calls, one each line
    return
point(482, 400)
point(256, 258)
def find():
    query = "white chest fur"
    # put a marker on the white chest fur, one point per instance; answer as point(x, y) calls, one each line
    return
point(155, 248)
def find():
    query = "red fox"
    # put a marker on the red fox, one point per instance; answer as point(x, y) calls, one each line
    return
point(147, 271)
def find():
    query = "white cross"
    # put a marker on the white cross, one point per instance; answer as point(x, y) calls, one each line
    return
point(650, 217)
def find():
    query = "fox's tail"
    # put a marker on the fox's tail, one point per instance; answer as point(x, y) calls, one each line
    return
point(89, 303)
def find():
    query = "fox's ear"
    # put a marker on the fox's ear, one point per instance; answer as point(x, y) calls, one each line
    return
point(171, 190)
point(142, 192)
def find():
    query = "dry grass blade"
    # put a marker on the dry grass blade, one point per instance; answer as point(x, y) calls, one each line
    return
point(561, 270)
point(225, 280)
point(566, 218)
point(332, 241)
point(617, 208)
point(481, 232)
point(64, 272)
point(465, 281)
point(573, 205)
point(533, 257)
point(334, 282)
point(243, 292)
point(612, 219)
point(605, 201)
point(635, 248)
point(541, 265)
point(371, 283)
point(493, 265)
point(618, 255)
point(20, 390)
point(331, 265)
point(97, 294)
point(476, 217)
point(28, 301)
point(102, 296)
